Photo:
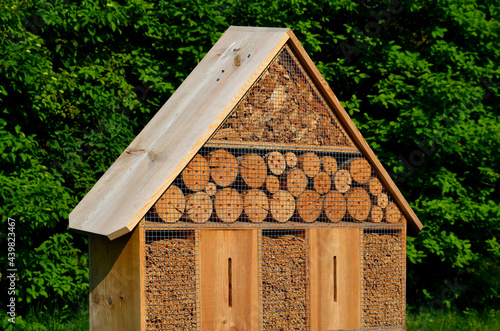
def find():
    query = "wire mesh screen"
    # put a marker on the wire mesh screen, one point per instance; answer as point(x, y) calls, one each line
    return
point(171, 291)
point(284, 280)
point(384, 279)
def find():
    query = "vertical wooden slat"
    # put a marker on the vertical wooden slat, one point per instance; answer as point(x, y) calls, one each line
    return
point(216, 248)
point(344, 245)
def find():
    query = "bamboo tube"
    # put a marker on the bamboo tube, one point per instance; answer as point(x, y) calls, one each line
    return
point(199, 207)
point(309, 205)
point(282, 205)
point(255, 205)
point(276, 162)
point(335, 205)
point(272, 184)
point(171, 205)
point(342, 180)
point(223, 167)
point(358, 203)
point(310, 163)
point(322, 182)
point(295, 181)
point(253, 170)
point(228, 205)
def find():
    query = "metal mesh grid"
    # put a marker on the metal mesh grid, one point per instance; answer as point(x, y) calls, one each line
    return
point(170, 280)
point(284, 280)
point(383, 266)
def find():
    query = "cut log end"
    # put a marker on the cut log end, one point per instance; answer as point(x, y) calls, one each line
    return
point(374, 186)
point(272, 184)
point(360, 169)
point(392, 213)
point(309, 205)
point(282, 206)
point(255, 205)
point(376, 214)
point(196, 174)
point(358, 203)
point(342, 180)
point(291, 159)
point(335, 206)
point(322, 183)
point(223, 167)
point(296, 181)
point(329, 164)
point(310, 163)
point(199, 207)
point(253, 170)
point(382, 200)
point(276, 162)
point(228, 205)
point(171, 205)
point(211, 189)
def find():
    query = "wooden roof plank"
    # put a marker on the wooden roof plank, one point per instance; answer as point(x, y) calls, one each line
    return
point(129, 188)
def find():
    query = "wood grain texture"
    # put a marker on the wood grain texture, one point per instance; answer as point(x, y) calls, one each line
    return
point(177, 131)
point(414, 223)
point(216, 247)
point(326, 312)
point(115, 282)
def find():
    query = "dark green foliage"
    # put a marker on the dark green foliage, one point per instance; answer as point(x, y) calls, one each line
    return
point(78, 80)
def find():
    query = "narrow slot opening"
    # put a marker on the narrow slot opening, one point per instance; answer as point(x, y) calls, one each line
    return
point(230, 282)
point(334, 279)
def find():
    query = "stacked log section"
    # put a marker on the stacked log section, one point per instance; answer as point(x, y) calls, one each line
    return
point(358, 203)
point(335, 206)
point(374, 186)
point(255, 205)
point(223, 167)
point(199, 207)
point(329, 164)
point(285, 304)
point(322, 182)
point(253, 170)
point(295, 181)
point(276, 163)
point(291, 159)
point(342, 181)
point(228, 205)
point(310, 163)
point(282, 206)
point(211, 189)
point(171, 204)
point(272, 184)
point(383, 282)
point(360, 169)
point(170, 286)
point(196, 175)
point(376, 214)
point(392, 213)
point(382, 200)
point(309, 206)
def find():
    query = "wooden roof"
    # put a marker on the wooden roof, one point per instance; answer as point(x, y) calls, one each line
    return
point(130, 187)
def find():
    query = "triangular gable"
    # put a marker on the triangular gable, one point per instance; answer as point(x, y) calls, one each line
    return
point(200, 106)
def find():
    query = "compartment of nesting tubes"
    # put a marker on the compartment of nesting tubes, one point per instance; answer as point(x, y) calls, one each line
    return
point(383, 278)
point(284, 280)
point(170, 280)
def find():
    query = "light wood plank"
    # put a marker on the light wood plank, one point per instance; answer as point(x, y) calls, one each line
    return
point(216, 247)
point(115, 295)
point(414, 223)
point(171, 139)
point(335, 303)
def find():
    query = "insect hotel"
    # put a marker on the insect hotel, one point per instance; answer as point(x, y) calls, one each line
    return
point(249, 202)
